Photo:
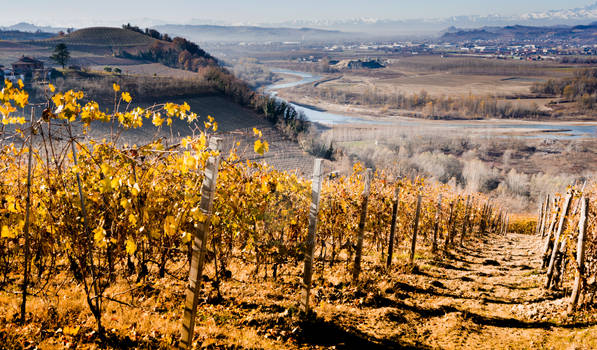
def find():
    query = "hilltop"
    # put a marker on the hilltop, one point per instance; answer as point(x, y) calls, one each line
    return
point(106, 40)
point(518, 33)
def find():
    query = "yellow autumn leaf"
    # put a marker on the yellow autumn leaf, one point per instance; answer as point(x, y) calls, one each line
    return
point(126, 97)
point(125, 203)
point(258, 147)
point(131, 246)
point(186, 237)
point(7, 232)
point(198, 215)
point(169, 225)
point(157, 119)
point(185, 141)
point(261, 147)
point(72, 331)
point(132, 219)
point(135, 189)
point(115, 182)
point(99, 236)
point(105, 185)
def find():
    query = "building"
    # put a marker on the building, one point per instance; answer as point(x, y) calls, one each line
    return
point(27, 65)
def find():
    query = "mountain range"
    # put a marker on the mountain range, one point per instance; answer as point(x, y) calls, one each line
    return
point(433, 26)
point(584, 34)
point(297, 29)
point(32, 28)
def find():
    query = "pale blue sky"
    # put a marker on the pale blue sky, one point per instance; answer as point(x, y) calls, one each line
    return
point(81, 12)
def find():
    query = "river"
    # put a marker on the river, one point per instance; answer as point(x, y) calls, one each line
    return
point(520, 128)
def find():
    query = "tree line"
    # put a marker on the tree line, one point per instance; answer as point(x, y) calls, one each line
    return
point(183, 54)
point(581, 88)
point(470, 106)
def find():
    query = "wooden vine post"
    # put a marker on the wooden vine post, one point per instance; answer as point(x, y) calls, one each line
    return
point(490, 219)
point(438, 217)
point(503, 228)
point(454, 219)
point(556, 242)
point(546, 209)
point(449, 228)
point(578, 203)
point(580, 255)
point(483, 220)
point(550, 231)
point(413, 244)
point(356, 270)
point(465, 220)
point(505, 224)
point(310, 242)
point(199, 244)
point(393, 227)
point(539, 218)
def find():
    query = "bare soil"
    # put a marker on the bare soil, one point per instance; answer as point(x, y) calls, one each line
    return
point(485, 295)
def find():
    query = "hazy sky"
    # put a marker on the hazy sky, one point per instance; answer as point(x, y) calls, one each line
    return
point(82, 12)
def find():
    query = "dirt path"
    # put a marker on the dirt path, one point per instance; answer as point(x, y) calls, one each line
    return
point(487, 295)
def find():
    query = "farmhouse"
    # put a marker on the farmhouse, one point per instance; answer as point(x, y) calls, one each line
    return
point(27, 65)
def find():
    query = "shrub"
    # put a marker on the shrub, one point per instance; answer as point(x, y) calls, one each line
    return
point(523, 225)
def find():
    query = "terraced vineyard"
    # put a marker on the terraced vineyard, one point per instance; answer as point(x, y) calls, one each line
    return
point(98, 237)
point(104, 37)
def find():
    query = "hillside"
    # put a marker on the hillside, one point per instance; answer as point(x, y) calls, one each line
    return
point(581, 34)
point(104, 37)
point(17, 35)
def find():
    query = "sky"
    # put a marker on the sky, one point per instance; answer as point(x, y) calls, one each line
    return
point(114, 12)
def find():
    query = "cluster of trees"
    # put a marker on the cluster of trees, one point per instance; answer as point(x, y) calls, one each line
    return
point(582, 88)
point(470, 106)
point(578, 59)
point(179, 53)
point(497, 166)
point(249, 70)
point(148, 31)
point(473, 66)
point(184, 54)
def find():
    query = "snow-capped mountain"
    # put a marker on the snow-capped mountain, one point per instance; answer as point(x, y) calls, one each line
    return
point(429, 26)
point(375, 26)
point(583, 13)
